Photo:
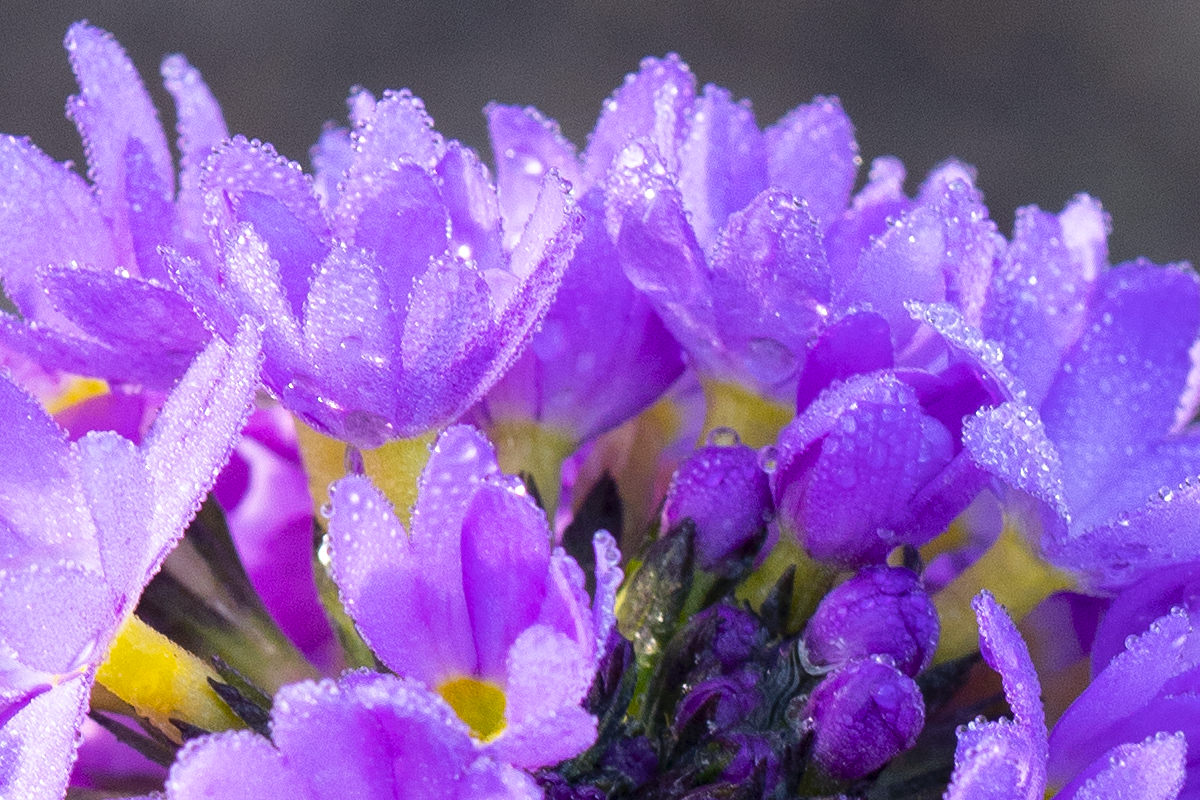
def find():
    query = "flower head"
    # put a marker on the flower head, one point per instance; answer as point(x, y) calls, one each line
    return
point(475, 603)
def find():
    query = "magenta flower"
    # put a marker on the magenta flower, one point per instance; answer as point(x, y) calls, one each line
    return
point(393, 306)
point(83, 528)
point(474, 603)
point(81, 262)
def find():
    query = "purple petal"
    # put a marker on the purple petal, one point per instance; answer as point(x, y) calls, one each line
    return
point(1039, 296)
point(446, 356)
point(201, 127)
point(397, 130)
point(873, 448)
point(1127, 696)
point(129, 314)
point(653, 104)
point(1010, 442)
point(470, 198)
point(1149, 770)
point(400, 216)
point(505, 555)
point(234, 765)
point(406, 604)
point(40, 500)
point(1165, 530)
point(48, 215)
point(608, 580)
point(858, 343)
point(811, 153)
point(548, 675)
point(1120, 386)
point(113, 111)
point(722, 161)
point(1003, 759)
point(658, 249)
point(118, 491)
point(399, 589)
point(864, 714)
point(1136, 607)
point(939, 251)
point(879, 611)
point(996, 761)
point(195, 432)
point(351, 335)
point(37, 746)
point(1004, 651)
point(618, 374)
point(725, 493)
point(377, 737)
point(53, 616)
point(247, 182)
point(330, 157)
point(526, 146)
point(770, 274)
point(872, 210)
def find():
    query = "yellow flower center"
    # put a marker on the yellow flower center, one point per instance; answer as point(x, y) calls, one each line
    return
point(478, 703)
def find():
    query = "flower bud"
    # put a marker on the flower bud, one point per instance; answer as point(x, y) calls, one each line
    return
point(880, 611)
point(864, 714)
point(723, 490)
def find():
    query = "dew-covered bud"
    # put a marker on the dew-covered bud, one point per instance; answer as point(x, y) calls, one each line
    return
point(721, 702)
point(724, 491)
point(880, 611)
point(864, 714)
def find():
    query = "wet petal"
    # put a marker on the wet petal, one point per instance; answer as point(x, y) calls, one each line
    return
point(48, 215)
point(722, 161)
point(526, 146)
point(234, 765)
point(811, 153)
point(652, 104)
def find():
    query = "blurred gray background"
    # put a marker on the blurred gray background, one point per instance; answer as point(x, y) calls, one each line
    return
point(1048, 99)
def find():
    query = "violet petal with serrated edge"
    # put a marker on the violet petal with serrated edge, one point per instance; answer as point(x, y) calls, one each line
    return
point(652, 103)
point(811, 153)
point(722, 161)
point(526, 146)
point(112, 108)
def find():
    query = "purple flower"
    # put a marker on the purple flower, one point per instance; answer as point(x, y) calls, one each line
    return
point(367, 736)
point(84, 527)
point(1098, 430)
point(393, 306)
point(1009, 758)
point(81, 262)
point(601, 354)
point(474, 603)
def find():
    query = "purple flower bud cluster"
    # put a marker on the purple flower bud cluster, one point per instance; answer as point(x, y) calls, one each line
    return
point(586, 475)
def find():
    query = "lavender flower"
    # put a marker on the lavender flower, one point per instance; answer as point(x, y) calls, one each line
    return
point(475, 605)
point(360, 339)
point(366, 736)
point(81, 262)
point(86, 526)
point(1009, 758)
point(602, 353)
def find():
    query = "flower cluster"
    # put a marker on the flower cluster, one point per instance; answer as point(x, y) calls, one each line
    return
point(671, 468)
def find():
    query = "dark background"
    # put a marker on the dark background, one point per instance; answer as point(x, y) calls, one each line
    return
point(1047, 99)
